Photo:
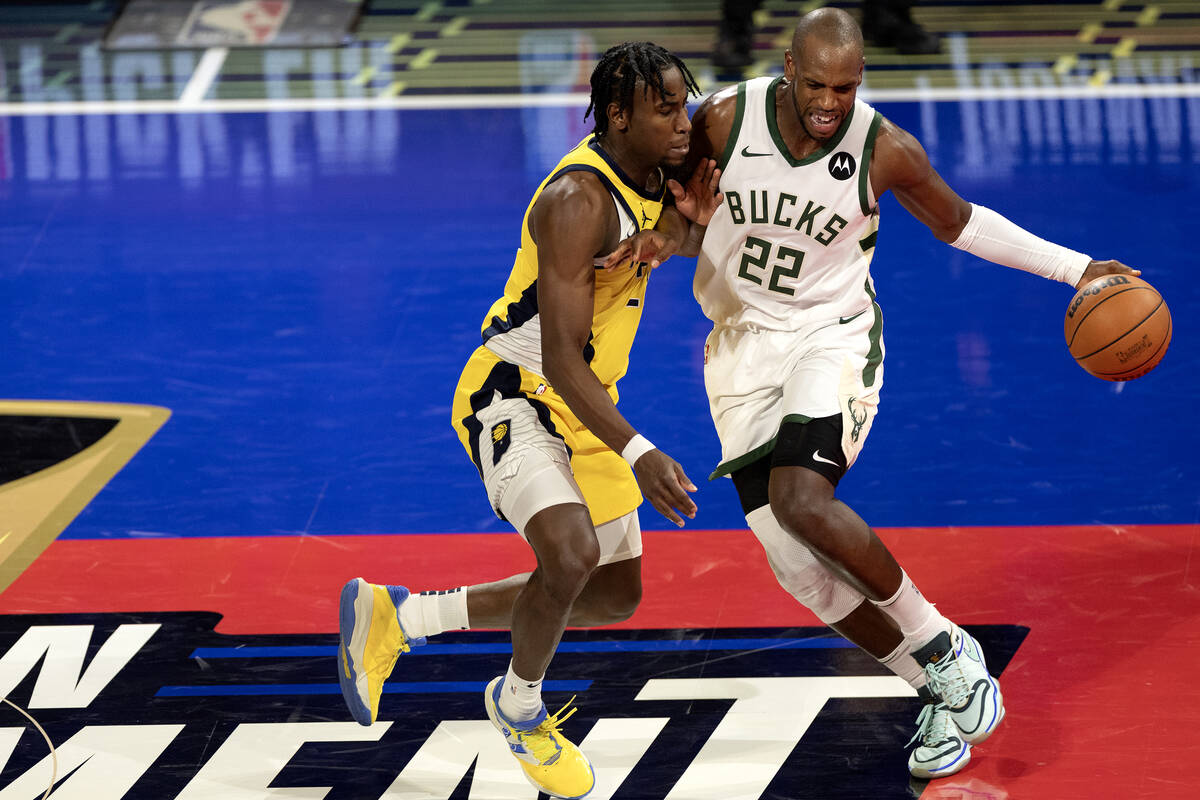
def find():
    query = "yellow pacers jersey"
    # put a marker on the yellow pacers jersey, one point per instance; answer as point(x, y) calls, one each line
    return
point(509, 363)
point(512, 327)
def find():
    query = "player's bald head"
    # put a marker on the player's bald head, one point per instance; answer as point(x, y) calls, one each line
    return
point(827, 27)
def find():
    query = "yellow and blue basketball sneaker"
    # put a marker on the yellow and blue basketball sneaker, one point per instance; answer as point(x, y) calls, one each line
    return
point(371, 639)
point(551, 763)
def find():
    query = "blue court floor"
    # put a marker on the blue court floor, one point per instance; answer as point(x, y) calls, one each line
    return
point(298, 277)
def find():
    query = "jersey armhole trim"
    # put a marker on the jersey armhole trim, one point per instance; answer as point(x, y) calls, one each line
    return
point(613, 191)
point(864, 174)
point(738, 114)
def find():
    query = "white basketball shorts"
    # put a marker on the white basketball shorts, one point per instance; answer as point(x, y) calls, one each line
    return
point(757, 380)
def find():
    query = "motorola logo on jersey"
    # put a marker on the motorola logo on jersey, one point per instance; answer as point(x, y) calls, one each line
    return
point(842, 166)
point(160, 707)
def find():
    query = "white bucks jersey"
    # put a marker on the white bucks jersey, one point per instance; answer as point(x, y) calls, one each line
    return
point(792, 244)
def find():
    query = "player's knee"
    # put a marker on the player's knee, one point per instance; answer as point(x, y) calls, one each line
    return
point(801, 513)
point(566, 565)
point(572, 569)
point(828, 598)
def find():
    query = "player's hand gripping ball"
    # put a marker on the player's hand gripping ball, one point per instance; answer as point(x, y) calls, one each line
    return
point(1118, 327)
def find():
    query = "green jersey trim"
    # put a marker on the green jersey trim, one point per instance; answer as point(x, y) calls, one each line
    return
point(738, 114)
point(777, 137)
point(734, 464)
point(875, 352)
point(864, 169)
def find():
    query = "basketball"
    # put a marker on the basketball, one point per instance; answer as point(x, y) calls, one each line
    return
point(1117, 327)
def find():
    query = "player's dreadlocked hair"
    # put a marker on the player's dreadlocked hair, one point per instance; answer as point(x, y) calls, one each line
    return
point(619, 70)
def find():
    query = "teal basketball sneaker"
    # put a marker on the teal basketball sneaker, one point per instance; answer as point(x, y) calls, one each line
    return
point(940, 749)
point(957, 673)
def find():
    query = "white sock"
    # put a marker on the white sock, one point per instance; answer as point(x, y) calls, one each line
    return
point(916, 617)
point(520, 699)
point(431, 613)
point(901, 662)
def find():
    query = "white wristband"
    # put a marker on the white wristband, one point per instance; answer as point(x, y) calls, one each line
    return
point(637, 447)
point(991, 236)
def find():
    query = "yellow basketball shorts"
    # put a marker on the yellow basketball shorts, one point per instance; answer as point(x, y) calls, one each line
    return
point(501, 411)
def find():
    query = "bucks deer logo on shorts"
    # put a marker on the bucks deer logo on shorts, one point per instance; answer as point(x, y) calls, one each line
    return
point(501, 439)
point(859, 419)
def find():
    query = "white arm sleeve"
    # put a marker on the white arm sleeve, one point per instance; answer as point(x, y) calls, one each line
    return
point(992, 237)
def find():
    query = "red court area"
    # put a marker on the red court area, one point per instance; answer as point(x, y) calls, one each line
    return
point(1102, 698)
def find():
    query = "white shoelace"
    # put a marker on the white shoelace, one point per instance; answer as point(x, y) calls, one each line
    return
point(947, 681)
point(932, 725)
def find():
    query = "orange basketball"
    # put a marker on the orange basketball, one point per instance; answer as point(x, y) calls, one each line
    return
point(1118, 327)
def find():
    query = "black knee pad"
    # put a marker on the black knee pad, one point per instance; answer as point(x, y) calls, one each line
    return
point(816, 445)
point(752, 483)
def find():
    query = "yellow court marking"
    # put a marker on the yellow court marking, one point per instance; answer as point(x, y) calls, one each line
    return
point(66, 33)
point(423, 59)
point(1089, 32)
point(60, 78)
point(1148, 16)
point(1125, 47)
point(427, 11)
point(1111, 5)
point(456, 26)
point(1100, 77)
point(1065, 64)
point(364, 76)
point(393, 89)
point(398, 42)
point(39, 506)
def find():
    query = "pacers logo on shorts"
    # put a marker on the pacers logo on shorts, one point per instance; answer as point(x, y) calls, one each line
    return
point(501, 439)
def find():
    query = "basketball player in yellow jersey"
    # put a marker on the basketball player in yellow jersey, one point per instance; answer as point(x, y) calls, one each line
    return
point(535, 409)
point(794, 363)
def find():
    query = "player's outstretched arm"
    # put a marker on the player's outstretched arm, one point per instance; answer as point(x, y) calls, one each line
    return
point(680, 228)
point(651, 246)
point(901, 165)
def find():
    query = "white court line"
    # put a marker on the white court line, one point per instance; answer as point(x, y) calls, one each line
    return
point(435, 102)
point(206, 72)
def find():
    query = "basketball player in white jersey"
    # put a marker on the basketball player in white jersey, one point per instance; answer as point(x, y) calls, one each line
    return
point(794, 363)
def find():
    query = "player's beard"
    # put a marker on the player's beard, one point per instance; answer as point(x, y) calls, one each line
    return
point(676, 171)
